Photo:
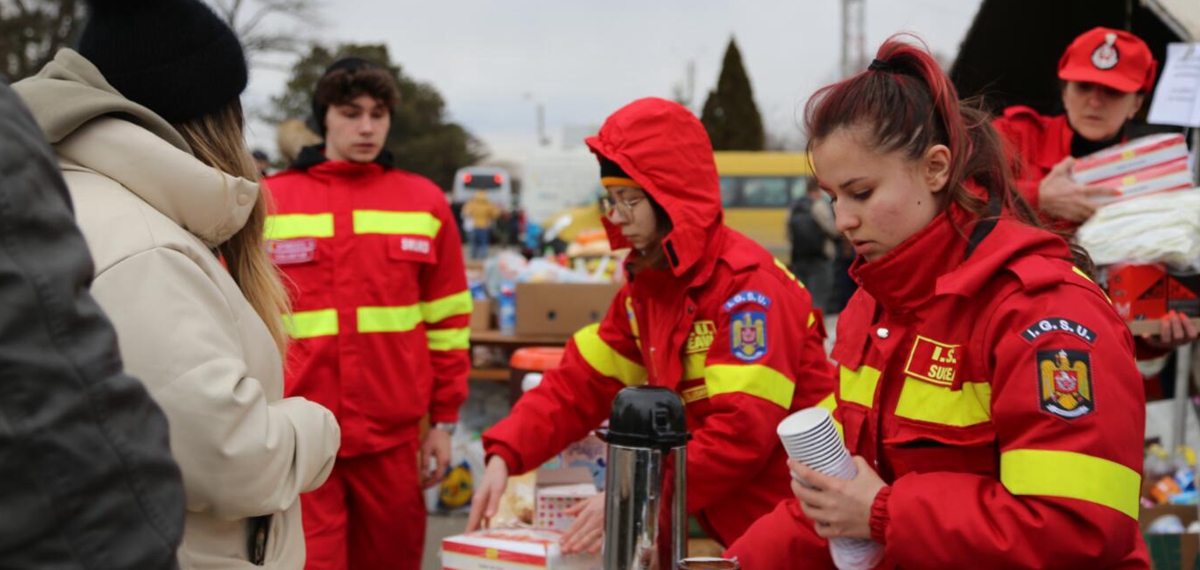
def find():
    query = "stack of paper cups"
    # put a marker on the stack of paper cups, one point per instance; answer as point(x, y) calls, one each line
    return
point(810, 437)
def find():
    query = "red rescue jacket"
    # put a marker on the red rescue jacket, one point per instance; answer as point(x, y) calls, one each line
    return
point(379, 297)
point(1035, 144)
point(726, 326)
point(998, 397)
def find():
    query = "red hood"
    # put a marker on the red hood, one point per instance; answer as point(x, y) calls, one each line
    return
point(665, 149)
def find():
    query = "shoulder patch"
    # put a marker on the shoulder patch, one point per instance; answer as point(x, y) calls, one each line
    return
point(1065, 383)
point(747, 297)
point(1058, 324)
point(748, 335)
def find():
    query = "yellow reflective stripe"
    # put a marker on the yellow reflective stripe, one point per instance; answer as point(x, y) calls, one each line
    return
point(449, 339)
point(858, 386)
point(1080, 272)
point(1073, 476)
point(830, 403)
point(812, 318)
point(309, 324)
point(393, 223)
point(754, 379)
point(694, 394)
point(388, 319)
point(605, 360)
point(289, 226)
point(446, 307)
point(693, 366)
point(789, 273)
point(920, 400)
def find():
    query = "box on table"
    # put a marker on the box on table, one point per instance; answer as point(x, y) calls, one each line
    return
point(558, 490)
point(561, 308)
point(1170, 551)
point(512, 549)
point(481, 315)
point(1134, 155)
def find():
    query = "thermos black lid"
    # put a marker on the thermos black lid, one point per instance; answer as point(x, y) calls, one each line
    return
point(649, 417)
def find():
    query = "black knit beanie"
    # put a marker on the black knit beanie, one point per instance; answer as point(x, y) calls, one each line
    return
point(175, 57)
point(348, 64)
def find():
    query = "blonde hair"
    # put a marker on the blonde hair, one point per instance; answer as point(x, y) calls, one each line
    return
point(216, 140)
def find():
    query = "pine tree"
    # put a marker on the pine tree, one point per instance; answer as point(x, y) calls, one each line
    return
point(730, 115)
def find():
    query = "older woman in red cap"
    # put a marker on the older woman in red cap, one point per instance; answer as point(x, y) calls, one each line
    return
point(1105, 75)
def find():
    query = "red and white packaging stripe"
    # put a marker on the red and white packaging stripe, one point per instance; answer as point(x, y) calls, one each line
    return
point(1144, 152)
point(1174, 175)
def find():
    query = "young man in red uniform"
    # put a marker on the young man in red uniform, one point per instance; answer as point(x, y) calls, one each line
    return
point(987, 386)
point(380, 321)
point(707, 313)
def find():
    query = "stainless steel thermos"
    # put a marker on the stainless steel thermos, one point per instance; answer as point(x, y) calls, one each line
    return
point(647, 427)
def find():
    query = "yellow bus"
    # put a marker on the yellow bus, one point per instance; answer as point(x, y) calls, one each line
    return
point(757, 190)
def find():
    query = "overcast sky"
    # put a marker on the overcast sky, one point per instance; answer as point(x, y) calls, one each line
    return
point(493, 61)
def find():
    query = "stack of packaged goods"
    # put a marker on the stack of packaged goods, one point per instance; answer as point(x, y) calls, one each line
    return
point(1143, 166)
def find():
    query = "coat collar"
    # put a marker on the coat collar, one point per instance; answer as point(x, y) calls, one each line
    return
point(935, 260)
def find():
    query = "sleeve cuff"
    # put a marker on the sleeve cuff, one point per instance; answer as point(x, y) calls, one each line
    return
point(446, 416)
point(510, 458)
point(879, 515)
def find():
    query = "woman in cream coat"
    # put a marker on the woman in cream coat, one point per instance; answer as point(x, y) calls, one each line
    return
point(162, 225)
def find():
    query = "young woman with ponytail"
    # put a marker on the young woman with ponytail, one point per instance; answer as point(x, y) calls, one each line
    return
point(986, 386)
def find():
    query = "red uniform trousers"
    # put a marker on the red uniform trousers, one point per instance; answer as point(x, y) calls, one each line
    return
point(370, 514)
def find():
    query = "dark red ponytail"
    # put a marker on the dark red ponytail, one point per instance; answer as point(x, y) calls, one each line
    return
point(907, 103)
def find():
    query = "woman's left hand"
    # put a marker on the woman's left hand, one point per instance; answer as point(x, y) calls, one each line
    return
point(586, 533)
point(839, 507)
point(1175, 329)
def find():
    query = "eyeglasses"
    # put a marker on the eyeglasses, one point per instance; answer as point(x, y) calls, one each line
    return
point(624, 206)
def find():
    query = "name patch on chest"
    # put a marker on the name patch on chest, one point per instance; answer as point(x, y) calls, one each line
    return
point(1058, 324)
point(701, 337)
point(415, 244)
point(934, 362)
point(292, 251)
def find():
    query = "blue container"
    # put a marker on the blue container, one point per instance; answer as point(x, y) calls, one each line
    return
point(508, 310)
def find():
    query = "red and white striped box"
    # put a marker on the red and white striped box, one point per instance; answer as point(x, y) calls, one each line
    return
point(1174, 175)
point(1129, 157)
point(512, 549)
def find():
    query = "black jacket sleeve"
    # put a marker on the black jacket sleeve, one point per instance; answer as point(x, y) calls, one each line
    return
point(86, 474)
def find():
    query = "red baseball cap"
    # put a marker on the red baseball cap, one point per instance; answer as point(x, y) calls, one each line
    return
point(1113, 58)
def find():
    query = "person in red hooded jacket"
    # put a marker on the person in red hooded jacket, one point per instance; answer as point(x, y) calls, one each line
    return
point(987, 387)
point(706, 312)
point(380, 321)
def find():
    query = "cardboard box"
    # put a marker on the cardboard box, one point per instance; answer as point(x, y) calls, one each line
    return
point(561, 308)
point(481, 315)
point(556, 491)
point(1139, 292)
point(512, 549)
point(1171, 551)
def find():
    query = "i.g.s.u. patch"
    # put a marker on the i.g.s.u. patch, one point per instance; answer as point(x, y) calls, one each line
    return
point(1065, 386)
point(744, 297)
point(748, 335)
point(1058, 324)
